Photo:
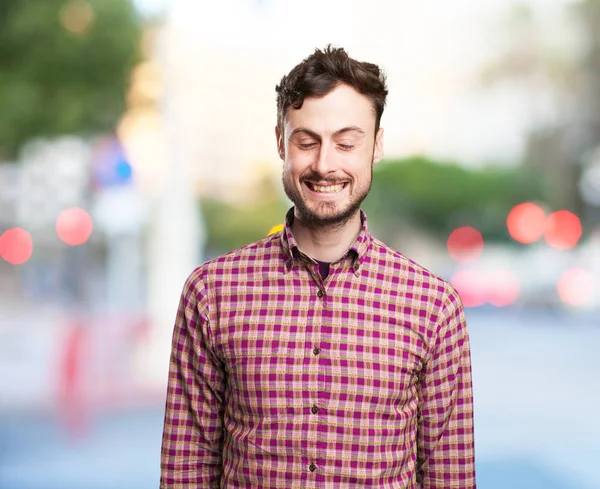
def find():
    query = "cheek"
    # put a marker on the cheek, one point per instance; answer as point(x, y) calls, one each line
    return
point(290, 171)
point(361, 166)
point(297, 164)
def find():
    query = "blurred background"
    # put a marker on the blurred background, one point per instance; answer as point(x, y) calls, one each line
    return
point(137, 141)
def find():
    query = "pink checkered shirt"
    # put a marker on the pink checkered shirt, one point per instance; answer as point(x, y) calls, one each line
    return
point(280, 380)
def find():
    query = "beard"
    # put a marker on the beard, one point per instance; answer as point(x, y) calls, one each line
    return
point(324, 214)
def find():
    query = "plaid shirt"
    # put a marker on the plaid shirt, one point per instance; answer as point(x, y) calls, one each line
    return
point(278, 379)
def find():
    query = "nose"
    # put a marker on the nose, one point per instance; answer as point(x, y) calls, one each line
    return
point(325, 161)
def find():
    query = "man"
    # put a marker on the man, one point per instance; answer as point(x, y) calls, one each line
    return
point(319, 357)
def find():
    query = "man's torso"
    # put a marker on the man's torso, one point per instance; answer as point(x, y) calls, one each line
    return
point(322, 377)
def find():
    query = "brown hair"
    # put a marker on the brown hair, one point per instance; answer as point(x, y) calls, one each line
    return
point(321, 72)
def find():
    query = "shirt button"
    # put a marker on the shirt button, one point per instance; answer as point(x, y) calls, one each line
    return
point(314, 409)
point(316, 351)
point(320, 293)
point(312, 467)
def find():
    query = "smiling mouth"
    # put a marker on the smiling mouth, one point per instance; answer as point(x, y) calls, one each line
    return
point(326, 189)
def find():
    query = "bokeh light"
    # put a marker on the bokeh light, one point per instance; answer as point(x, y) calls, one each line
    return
point(526, 222)
point(275, 229)
point(499, 288)
point(470, 285)
point(123, 170)
point(563, 230)
point(77, 16)
point(465, 244)
point(16, 246)
point(503, 288)
point(576, 286)
point(74, 226)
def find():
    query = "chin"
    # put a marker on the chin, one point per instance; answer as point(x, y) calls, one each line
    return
point(327, 215)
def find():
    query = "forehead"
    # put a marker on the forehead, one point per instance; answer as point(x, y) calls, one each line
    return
point(341, 107)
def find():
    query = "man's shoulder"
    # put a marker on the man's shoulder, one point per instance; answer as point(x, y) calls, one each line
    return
point(264, 252)
point(414, 274)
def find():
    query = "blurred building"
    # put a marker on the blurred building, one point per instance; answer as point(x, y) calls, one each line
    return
point(225, 58)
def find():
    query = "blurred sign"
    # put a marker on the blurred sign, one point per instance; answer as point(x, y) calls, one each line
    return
point(10, 183)
point(110, 167)
point(119, 210)
point(54, 176)
point(589, 183)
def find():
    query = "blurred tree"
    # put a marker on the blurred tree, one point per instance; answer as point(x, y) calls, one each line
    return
point(229, 226)
point(439, 196)
point(414, 193)
point(64, 67)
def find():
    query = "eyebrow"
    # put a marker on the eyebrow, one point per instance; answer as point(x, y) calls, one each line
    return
point(337, 133)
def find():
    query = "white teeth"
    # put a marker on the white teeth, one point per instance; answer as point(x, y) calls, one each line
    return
point(329, 189)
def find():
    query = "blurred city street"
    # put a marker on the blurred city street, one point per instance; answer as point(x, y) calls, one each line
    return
point(136, 142)
point(535, 379)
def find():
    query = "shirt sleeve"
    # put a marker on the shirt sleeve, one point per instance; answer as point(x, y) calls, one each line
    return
point(446, 457)
point(192, 434)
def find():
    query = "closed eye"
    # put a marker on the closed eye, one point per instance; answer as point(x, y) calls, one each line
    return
point(346, 147)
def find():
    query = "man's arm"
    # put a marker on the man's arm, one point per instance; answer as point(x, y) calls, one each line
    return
point(446, 457)
point(192, 435)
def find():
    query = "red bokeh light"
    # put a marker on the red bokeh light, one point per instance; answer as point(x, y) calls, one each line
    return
point(526, 222)
point(503, 288)
point(16, 246)
point(465, 244)
point(470, 285)
point(74, 226)
point(576, 286)
point(499, 288)
point(563, 230)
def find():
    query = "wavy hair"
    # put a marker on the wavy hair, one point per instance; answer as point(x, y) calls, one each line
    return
point(321, 72)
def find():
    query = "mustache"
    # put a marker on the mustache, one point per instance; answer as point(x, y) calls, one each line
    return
point(315, 177)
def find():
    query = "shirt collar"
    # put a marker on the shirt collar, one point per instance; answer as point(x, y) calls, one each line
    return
point(358, 249)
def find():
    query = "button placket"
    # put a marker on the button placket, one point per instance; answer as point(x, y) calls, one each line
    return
point(312, 368)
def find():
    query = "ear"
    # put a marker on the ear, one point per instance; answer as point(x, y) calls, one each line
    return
point(280, 144)
point(378, 150)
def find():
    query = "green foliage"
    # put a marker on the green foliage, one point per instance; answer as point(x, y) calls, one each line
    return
point(54, 81)
point(415, 192)
point(440, 196)
point(231, 226)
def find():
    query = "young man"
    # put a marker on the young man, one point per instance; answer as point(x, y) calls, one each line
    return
point(319, 357)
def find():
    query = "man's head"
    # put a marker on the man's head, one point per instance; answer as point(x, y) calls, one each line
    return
point(329, 109)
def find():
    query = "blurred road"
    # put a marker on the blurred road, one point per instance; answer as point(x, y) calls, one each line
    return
point(537, 406)
point(537, 399)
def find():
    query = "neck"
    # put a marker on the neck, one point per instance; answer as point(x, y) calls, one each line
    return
point(327, 243)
